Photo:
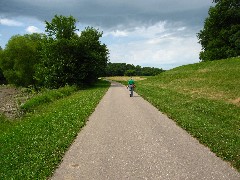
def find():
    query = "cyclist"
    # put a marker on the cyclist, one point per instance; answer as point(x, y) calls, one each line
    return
point(131, 86)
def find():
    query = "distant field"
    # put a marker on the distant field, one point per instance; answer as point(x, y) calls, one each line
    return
point(204, 99)
point(125, 78)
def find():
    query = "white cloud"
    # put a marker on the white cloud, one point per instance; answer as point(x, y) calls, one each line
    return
point(33, 29)
point(160, 38)
point(10, 22)
point(142, 32)
point(117, 33)
point(181, 28)
point(157, 46)
point(150, 31)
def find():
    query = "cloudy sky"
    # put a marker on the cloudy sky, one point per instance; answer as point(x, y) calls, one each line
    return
point(155, 33)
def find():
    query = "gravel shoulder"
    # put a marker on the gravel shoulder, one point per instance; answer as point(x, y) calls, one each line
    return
point(127, 138)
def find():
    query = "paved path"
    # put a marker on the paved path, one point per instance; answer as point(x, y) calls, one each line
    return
point(127, 138)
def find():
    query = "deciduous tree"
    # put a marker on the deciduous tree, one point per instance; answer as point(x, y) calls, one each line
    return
point(61, 27)
point(19, 58)
point(68, 58)
point(220, 37)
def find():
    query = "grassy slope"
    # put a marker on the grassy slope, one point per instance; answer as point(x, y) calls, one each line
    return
point(203, 98)
point(32, 147)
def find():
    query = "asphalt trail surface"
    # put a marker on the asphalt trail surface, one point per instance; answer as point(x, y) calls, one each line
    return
point(128, 138)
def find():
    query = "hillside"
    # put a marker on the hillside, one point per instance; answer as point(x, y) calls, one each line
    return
point(219, 80)
point(204, 99)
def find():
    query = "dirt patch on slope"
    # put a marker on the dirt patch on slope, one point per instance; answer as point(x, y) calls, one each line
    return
point(236, 101)
point(10, 99)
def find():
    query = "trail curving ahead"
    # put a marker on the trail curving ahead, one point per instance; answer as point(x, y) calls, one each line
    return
point(128, 138)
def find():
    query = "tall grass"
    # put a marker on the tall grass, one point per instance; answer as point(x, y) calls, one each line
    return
point(32, 148)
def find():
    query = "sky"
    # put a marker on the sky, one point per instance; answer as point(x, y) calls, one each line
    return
point(149, 33)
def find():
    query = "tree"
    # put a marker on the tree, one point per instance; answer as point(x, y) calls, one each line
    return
point(68, 58)
point(220, 37)
point(94, 54)
point(116, 69)
point(61, 27)
point(19, 58)
point(130, 72)
point(2, 78)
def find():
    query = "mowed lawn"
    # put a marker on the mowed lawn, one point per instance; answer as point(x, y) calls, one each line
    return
point(204, 99)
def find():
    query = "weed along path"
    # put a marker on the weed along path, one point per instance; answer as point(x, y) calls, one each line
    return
point(127, 138)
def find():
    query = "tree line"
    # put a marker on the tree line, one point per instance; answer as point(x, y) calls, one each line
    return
point(55, 59)
point(123, 69)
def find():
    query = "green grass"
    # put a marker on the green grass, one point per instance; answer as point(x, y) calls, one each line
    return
point(32, 147)
point(47, 96)
point(4, 124)
point(203, 99)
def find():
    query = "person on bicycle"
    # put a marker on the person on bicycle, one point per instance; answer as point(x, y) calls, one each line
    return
point(131, 85)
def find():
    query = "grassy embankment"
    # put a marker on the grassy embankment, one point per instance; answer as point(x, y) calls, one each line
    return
point(33, 146)
point(204, 99)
